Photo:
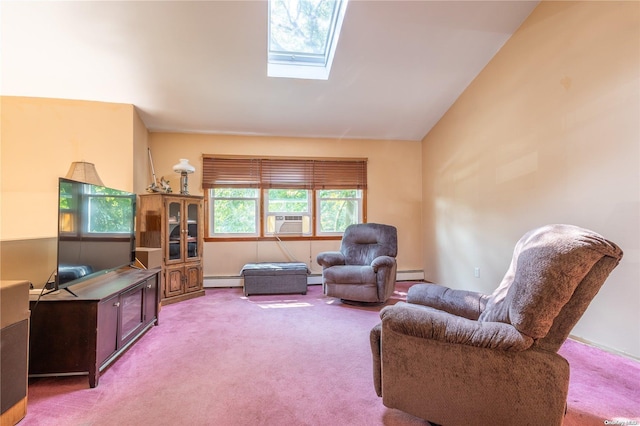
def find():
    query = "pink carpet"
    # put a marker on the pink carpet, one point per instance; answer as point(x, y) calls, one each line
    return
point(224, 359)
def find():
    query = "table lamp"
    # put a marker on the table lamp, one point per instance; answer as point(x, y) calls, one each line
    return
point(84, 172)
point(184, 168)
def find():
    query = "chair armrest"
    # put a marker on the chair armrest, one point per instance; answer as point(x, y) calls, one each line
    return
point(374, 340)
point(427, 323)
point(382, 261)
point(330, 258)
point(463, 303)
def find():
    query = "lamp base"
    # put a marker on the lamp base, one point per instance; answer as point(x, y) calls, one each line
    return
point(184, 184)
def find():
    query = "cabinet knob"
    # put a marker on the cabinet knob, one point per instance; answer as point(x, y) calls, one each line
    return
point(149, 286)
point(117, 304)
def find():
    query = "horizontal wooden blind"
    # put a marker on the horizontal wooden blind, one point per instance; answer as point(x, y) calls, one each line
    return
point(281, 173)
point(340, 174)
point(251, 172)
point(230, 172)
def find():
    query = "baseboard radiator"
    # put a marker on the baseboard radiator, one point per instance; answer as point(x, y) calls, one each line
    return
point(312, 279)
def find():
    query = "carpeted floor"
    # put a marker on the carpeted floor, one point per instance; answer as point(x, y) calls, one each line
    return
point(225, 359)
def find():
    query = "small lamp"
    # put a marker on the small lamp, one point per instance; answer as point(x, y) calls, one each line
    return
point(84, 172)
point(184, 168)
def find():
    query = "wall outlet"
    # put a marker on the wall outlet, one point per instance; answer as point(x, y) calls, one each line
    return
point(476, 272)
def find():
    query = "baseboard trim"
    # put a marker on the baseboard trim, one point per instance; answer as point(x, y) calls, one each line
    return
point(604, 348)
point(215, 282)
point(415, 275)
point(312, 279)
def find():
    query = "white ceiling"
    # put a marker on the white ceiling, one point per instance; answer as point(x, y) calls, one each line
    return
point(201, 66)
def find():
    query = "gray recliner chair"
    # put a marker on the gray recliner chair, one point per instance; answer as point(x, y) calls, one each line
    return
point(456, 357)
point(364, 270)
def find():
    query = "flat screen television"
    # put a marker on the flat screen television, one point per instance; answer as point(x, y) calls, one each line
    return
point(96, 231)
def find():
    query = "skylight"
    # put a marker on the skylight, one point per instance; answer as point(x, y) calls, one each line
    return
point(303, 35)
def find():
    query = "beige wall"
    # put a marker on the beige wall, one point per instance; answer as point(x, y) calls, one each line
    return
point(394, 195)
point(141, 167)
point(547, 133)
point(39, 140)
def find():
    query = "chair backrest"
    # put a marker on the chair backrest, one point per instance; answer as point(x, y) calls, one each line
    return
point(555, 272)
point(363, 242)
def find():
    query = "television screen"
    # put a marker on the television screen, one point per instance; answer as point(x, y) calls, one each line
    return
point(96, 231)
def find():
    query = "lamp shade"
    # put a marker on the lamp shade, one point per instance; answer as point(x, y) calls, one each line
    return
point(184, 167)
point(84, 172)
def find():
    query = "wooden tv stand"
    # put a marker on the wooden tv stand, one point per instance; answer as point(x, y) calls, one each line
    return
point(85, 334)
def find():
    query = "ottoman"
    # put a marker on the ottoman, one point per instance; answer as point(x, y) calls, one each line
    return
point(275, 278)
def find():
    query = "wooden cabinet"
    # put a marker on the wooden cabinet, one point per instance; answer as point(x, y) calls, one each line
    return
point(84, 334)
point(174, 223)
point(108, 327)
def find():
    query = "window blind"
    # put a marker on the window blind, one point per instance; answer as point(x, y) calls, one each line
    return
point(230, 172)
point(281, 173)
point(254, 172)
point(340, 174)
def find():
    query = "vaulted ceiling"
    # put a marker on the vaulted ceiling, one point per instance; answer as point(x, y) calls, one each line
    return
point(201, 66)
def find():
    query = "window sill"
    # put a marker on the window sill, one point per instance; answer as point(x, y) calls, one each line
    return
point(279, 238)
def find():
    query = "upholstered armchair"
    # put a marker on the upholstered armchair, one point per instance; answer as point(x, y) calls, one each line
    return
point(456, 357)
point(364, 270)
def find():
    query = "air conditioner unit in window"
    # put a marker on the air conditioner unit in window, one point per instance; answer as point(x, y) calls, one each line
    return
point(286, 224)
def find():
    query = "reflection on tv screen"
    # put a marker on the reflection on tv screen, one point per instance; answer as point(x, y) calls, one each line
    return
point(96, 231)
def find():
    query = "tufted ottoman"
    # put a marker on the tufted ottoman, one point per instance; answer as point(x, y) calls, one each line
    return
point(275, 278)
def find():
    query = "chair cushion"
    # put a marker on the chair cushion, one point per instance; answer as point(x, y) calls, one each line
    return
point(361, 243)
point(548, 264)
point(349, 274)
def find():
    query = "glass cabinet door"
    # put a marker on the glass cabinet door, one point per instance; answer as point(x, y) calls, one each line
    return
point(174, 231)
point(192, 225)
point(131, 313)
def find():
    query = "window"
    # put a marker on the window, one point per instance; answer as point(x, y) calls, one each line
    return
point(338, 209)
point(234, 211)
point(288, 211)
point(297, 197)
point(303, 36)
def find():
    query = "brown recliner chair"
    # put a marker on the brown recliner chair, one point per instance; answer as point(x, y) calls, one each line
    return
point(364, 270)
point(456, 357)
